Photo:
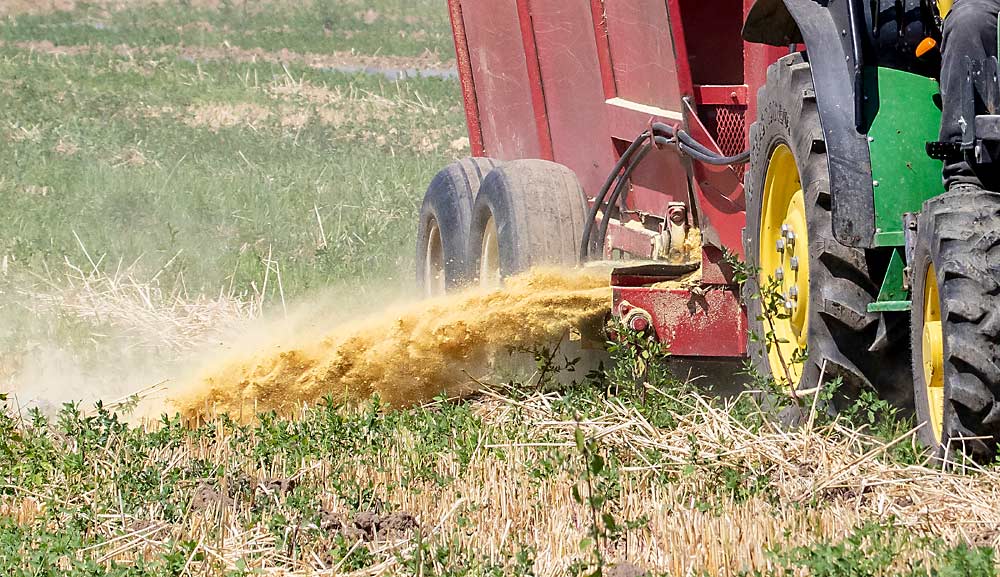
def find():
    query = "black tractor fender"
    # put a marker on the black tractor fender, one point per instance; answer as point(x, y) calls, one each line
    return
point(833, 30)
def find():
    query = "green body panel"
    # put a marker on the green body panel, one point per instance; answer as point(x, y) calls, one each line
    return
point(903, 117)
point(893, 296)
point(890, 307)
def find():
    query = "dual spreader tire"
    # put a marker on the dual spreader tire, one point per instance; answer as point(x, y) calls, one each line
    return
point(955, 335)
point(808, 308)
point(482, 221)
point(528, 213)
point(443, 229)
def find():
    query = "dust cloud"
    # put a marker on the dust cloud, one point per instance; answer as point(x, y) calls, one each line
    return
point(405, 355)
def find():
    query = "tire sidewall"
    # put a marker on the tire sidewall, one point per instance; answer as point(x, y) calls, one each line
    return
point(494, 201)
point(539, 209)
point(448, 203)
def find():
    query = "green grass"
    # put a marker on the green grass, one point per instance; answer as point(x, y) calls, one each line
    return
point(142, 181)
point(385, 27)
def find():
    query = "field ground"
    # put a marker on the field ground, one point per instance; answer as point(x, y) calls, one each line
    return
point(172, 170)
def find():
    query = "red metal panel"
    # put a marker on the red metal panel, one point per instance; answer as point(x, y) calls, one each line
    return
point(465, 78)
point(642, 53)
point(729, 94)
point(712, 36)
point(712, 324)
point(650, 82)
point(684, 79)
point(603, 48)
point(721, 205)
point(499, 72)
point(533, 69)
point(756, 59)
point(637, 243)
point(574, 92)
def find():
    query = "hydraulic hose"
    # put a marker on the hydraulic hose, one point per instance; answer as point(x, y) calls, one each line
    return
point(661, 135)
point(619, 188)
point(588, 228)
point(696, 150)
point(714, 159)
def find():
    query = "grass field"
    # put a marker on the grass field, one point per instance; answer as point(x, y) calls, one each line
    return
point(210, 153)
point(173, 171)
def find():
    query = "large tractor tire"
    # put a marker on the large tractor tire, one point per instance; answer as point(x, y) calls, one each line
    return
point(955, 322)
point(528, 213)
point(822, 287)
point(443, 232)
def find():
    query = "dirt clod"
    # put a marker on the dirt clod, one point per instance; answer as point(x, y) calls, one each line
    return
point(369, 525)
point(206, 496)
point(625, 569)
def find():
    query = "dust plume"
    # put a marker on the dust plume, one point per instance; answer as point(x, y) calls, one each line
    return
point(405, 355)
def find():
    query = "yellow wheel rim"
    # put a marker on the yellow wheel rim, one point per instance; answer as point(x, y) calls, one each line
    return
point(784, 260)
point(489, 261)
point(932, 353)
point(434, 275)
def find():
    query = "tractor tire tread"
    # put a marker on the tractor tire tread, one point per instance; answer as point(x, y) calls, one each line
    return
point(957, 233)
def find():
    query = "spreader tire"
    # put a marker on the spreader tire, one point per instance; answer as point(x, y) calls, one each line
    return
point(827, 285)
point(443, 230)
point(956, 293)
point(528, 213)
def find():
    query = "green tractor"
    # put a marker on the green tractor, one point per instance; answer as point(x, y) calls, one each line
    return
point(846, 215)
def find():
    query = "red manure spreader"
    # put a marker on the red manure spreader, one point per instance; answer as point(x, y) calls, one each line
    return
point(691, 142)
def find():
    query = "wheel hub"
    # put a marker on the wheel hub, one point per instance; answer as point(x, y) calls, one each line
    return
point(932, 354)
point(489, 261)
point(784, 259)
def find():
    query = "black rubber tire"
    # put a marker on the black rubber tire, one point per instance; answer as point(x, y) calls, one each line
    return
point(841, 330)
point(448, 206)
point(539, 210)
point(959, 233)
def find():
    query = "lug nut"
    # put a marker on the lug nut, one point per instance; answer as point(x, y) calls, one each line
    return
point(794, 292)
point(789, 305)
point(785, 229)
point(791, 238)
point(781, 245)
point(779, 274)
point(794, 263)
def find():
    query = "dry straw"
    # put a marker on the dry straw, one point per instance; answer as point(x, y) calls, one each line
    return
point(826, 482)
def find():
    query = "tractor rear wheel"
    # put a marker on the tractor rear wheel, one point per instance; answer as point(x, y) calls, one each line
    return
point(809, 306)
point(443, 232)
point(955, 335)
point(528, 213)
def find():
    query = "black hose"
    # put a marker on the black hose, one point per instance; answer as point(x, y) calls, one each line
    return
point(714, 159)
point(588, 229)
point(661, 135)
point(690, 146)
point(619, 188)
